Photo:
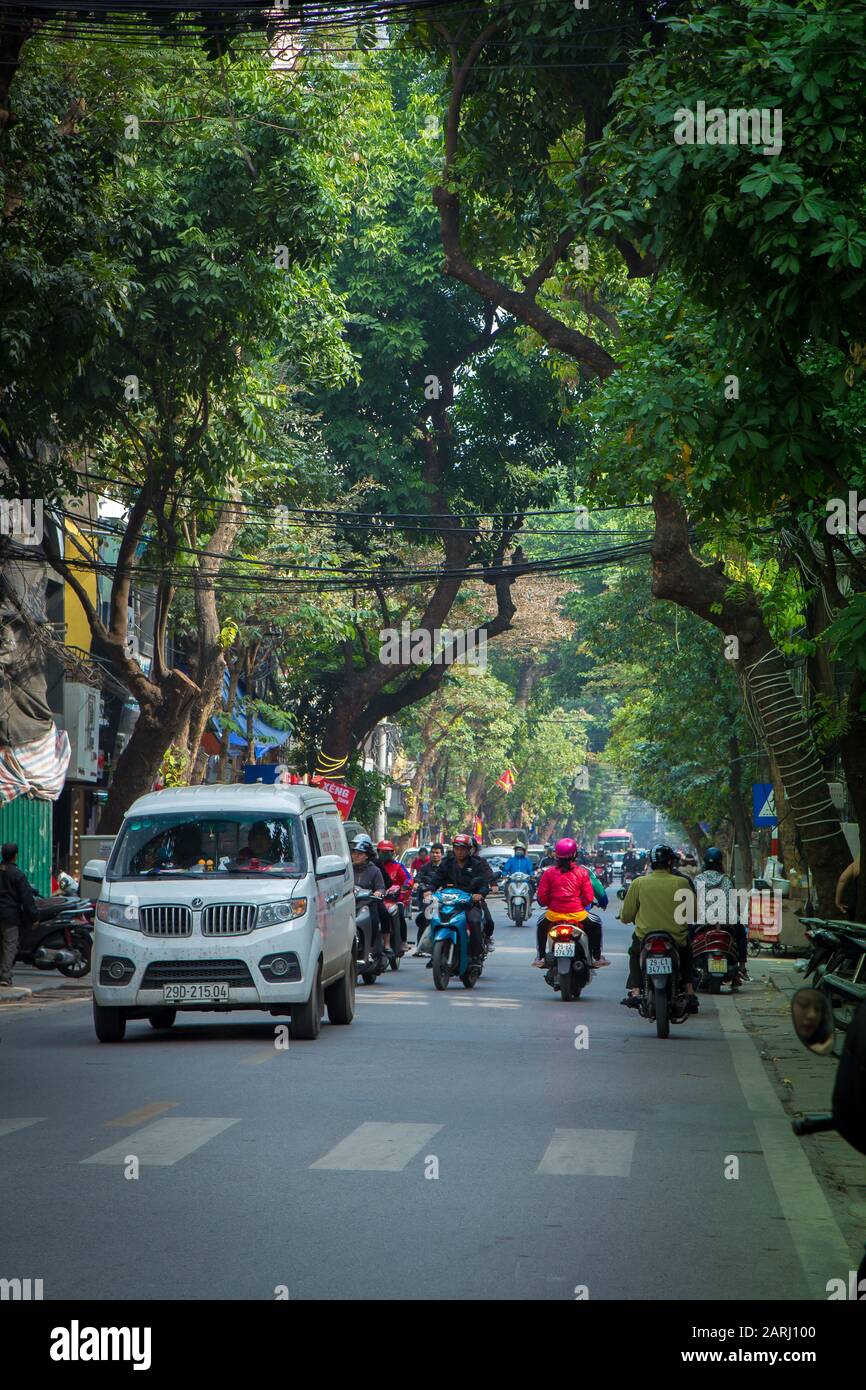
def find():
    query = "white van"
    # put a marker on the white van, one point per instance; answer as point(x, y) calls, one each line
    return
point(226, 897)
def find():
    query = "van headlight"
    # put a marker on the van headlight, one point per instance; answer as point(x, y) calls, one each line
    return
point(119, 915)
point(271, 914)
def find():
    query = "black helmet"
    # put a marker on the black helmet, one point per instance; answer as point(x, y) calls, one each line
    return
point(661, 856)
point(714, 859)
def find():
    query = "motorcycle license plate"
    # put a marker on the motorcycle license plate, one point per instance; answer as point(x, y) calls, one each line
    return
point(658, 965)
point(563, 948)
point(718, 967)
point(195, 994)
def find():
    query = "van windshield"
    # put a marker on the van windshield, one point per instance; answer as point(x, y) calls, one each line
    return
point(187, 845)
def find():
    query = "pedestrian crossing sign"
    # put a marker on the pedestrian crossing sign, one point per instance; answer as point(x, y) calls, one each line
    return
point(763, 803)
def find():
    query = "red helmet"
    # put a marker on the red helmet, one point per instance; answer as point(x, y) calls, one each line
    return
point(565, 849)
point(462, 840)
point(386, 844)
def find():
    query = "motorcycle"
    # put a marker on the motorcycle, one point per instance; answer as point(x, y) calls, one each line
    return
point(394, 909)
point(568, 959)
point(62, 938)
point(518, 897)
point(662, 995)
point(450, 928)
point(371, 964)
point(626, 878)
point(715, 959)
point(601, 869)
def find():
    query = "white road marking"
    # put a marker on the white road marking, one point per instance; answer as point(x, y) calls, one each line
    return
point(820, 1245)
point(378, 1148)
point(164, 1142)
point(10, 1126)
point(589, 1153)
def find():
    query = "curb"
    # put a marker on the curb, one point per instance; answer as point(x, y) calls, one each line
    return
point(13, 994)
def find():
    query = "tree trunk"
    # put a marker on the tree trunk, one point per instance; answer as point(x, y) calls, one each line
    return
point(680, 576)
point(526, 680)
point(853, 752)
point(742, 821)
point(141, 759)
point(785, 824)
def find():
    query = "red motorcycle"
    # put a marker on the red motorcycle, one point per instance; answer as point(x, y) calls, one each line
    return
point(716, 963)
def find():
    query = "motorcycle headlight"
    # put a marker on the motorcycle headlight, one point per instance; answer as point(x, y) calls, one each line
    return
point(271, 914)
point(119, 915)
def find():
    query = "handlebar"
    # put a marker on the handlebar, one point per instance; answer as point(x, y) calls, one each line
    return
point(813, 1124)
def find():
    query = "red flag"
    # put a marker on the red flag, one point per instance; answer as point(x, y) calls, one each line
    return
point(506, 781)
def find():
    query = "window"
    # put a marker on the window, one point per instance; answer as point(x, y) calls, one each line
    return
point(183, 844)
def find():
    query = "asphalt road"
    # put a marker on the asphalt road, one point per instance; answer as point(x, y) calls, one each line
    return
point(451, 1145)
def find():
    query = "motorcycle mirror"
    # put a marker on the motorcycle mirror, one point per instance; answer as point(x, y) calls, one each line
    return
point(813, 1021)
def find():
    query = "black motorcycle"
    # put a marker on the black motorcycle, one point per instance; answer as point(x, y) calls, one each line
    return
point(372, 958)
point(568, 959)
point(662, 995)
point(62, 938)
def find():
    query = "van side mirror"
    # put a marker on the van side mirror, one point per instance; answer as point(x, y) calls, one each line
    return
point(813, 1020)
point(329, 865)
point(95, 869)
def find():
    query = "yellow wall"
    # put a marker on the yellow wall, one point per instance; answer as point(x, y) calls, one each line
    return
point(77, 626)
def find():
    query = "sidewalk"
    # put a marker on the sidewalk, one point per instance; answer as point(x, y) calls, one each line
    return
point(43, 986)
point(804, 1083)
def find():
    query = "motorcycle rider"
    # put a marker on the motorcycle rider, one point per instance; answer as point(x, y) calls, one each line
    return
point(548, 858)
point(714, 878)
point(566, 890)
point(17, 910)
point(423, 879)
point(519, 862)
point(397, 877)
point(461, 869)
point(491, 875)
point(651, 903)
point(368, 875)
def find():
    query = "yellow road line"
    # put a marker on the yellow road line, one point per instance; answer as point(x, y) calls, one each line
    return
point(143, 1114)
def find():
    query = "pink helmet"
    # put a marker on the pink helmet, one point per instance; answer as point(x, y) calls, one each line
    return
point(565, 849)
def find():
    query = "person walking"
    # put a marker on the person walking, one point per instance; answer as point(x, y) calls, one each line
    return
point(17, 909)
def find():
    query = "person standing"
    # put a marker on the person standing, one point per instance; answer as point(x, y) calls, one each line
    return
point(17, 909)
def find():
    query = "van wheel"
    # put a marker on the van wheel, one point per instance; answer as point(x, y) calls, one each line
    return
point(340, 997)
point(306, 1019)
point(162, 1018)
point(109, 1024)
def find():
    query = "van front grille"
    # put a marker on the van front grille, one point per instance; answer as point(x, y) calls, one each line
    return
point(228, 919)
point(185, 972)
point(165, 919)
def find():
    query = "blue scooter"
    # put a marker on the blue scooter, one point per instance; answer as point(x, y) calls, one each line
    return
point(451, 939)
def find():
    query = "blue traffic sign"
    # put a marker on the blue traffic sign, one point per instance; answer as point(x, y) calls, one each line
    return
point(763, 804)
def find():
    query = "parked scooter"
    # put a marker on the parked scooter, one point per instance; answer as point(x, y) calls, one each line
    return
point(814, 1024)
point(568, 959)
point(62, 938)
point(662, 995)
point(450, 928)
point(716, 962)
point(371, 962)
point(518, 897)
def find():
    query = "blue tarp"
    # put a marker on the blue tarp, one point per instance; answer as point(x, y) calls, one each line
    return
point(270, 738)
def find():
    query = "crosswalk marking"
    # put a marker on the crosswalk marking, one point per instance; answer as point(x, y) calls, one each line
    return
point(164, 1142)
point(144, 1112)
point(10, 1126)
point(485, 1002)
point(378, 1148)
point(589, 1153)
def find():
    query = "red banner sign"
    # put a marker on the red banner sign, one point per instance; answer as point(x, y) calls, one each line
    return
point(343, 795)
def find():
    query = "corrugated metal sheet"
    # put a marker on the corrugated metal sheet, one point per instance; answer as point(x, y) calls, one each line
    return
point(27, 823)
